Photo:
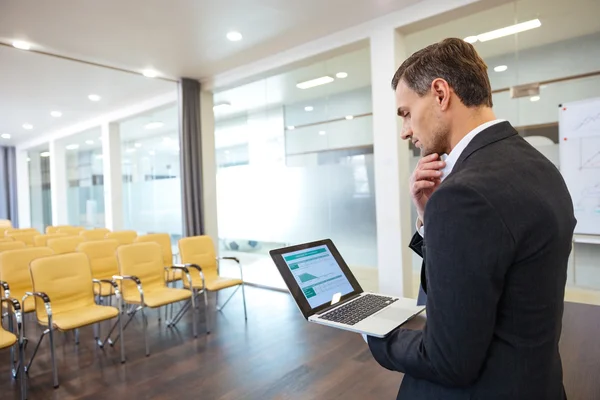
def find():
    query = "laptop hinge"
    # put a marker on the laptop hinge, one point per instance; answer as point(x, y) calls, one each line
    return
point(325, 310)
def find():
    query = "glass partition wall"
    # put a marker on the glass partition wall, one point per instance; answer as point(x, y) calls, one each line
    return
point(295, 164)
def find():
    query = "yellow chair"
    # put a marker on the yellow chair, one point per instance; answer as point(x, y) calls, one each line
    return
point(26, 237)
point(71, 230)
point(143, 283)
point(164, 240)
point(62, 287)
point(94, 234)
point(11, 339)
point(5, 223)
point(123, 237)
point(200, 251)
point(4, 246)
point(55, 229)
point(102, 255)
point(14, 270)
point(42, 240)
point(65, 245)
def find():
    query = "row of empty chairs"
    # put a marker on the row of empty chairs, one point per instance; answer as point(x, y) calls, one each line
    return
point(135, 269)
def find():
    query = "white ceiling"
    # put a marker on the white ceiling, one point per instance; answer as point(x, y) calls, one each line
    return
point(32, 85)
point(180, 38)
point(561, 20)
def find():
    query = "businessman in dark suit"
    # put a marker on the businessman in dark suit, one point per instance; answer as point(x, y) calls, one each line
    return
point(495, 228)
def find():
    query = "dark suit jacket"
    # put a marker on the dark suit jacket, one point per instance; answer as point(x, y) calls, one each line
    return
point(498, 235)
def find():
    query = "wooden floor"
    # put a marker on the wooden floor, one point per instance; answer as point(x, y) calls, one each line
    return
point(274, 355)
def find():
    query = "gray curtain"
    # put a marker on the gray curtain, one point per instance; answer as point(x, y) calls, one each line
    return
point(8, 185)
point(191, 156)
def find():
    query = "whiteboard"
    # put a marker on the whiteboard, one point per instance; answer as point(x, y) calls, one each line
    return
point(579, 149)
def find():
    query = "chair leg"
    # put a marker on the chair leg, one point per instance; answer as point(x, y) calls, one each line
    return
point(77, 336)
point(121, 333)
point(21, 372)
point(206, 311)
point(145, 323)
point(52, 355)
point(244, 299)
point(194, 314)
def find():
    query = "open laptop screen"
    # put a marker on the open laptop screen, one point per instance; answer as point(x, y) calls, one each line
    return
point(316, 275)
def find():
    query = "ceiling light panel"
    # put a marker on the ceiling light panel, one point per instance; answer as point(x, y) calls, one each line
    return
point(315, 82)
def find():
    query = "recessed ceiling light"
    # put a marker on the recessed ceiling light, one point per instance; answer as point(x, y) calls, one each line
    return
point(291, 128)
point(149, 73)
point(28, 126)
point(534, 98)
point(21, 45)
point(89, 142)
point(45, 154)
point(154, 125)
point(5, 136)
point(138, 145)
point(308, 108)
point(94, 97)
point(322, 133)
point(234, 36)
point(507, 31)
point(341, 75)
point(56, 114)
point(221, 106)
point(349, 117)
point(315, 82)
point(500, 68)
point(72, 147)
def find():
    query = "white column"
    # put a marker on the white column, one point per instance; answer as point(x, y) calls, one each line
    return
point(113, 180)
point(58, 184)
point(392, 169)
point(209, 167)
point(24, 195)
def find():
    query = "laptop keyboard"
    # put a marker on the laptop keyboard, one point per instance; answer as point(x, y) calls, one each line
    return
point(354, 312)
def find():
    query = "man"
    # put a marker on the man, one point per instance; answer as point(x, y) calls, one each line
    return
point(496, 221)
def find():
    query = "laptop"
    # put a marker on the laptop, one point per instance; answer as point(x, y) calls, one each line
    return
point(327, 292)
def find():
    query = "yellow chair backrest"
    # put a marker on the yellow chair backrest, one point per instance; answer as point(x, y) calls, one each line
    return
point(143, 260)
point(65, 245)
point(71, 230)
point(94, 234)
point(123, 237)
point(66, 279)
point(102, 255)
point(5, 223)
point(12, 245)
point(14, 267)
point(199, 250)
point(6, 239)
point(25, 237)
point(42, 240)
point(162, 239)
point(54, 229)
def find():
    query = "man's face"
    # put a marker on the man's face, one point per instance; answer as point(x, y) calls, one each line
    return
point(423, 120)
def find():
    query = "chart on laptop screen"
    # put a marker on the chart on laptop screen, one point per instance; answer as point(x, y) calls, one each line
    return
point(318, 274)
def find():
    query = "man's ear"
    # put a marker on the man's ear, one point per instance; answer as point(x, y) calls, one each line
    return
point(441, 90)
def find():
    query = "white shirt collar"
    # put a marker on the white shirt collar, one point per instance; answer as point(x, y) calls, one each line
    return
point(451, 158)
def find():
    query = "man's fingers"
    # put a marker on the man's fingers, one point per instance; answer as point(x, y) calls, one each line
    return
point(427, 174)
point(432, 165)
point(422, 185)
point(429, 158)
